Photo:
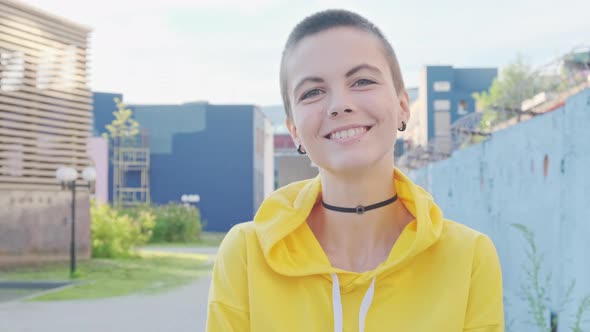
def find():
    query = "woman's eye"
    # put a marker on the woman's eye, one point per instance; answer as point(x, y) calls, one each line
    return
point(363, 82)
point(310, 94)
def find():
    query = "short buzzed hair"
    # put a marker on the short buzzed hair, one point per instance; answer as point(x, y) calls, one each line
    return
point(326, 20)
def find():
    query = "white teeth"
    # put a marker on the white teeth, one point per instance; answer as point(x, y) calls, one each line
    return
point(348, 133)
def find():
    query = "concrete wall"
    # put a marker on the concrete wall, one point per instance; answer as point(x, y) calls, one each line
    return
point(36, 226)
point(536, 174)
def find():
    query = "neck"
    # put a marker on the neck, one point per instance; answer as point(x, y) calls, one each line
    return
point(359, 241)
point(369, 186)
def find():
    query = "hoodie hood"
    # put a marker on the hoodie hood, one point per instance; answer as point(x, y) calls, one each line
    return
point(291, 249)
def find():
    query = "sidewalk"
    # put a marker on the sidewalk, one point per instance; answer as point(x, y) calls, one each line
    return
point(180, 310)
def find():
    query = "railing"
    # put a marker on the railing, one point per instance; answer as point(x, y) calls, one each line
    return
point(554, 83)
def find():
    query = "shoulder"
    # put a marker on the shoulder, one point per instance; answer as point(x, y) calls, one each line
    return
point(235, 244)
point(458, 232)
point(229, 281)
point(245, 228)
point(467, 239)
point(476, 253)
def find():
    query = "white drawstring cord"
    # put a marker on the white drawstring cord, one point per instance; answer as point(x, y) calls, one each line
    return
point(337, 304)
point(365, 305)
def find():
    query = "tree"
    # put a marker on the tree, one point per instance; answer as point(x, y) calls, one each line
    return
point(516, 83)
point(124, 128)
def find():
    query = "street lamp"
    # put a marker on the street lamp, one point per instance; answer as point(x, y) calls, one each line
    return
point(67, 177)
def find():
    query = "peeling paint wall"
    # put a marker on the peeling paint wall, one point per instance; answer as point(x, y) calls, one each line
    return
point(537, 174)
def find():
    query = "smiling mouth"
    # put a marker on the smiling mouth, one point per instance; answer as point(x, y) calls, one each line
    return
point(348, 133)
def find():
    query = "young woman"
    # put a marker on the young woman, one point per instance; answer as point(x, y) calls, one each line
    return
point(360, 247)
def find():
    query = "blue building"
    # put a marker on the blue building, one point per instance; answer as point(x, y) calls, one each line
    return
point(449, 94)
point(445, 94)
point(223, 153)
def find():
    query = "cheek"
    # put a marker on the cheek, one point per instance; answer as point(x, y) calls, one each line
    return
point(381, 105)
point(308, 120)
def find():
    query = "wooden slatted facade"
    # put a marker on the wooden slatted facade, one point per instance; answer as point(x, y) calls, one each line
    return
point(45, 101)
point(45, 122)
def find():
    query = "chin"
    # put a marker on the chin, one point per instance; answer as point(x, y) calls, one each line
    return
point(351, 164)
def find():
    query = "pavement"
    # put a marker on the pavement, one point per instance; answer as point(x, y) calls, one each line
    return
point(15, 294)
point(179, 310)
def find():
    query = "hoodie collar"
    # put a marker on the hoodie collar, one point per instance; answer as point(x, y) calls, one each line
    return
point(290, 248)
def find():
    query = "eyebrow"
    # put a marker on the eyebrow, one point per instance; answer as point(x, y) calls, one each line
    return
point(349, 73)
point(314, 79)
point(361, 67)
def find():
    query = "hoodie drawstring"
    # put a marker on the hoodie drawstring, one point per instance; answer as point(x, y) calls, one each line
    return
point(337, 304)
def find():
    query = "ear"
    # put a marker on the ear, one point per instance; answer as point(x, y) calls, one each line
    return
point(293, 131)
point(404, 103)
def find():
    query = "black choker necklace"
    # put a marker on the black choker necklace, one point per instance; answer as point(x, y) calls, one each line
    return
point(360, 209)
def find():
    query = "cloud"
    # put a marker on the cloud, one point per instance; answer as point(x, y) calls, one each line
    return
point(94, 12)
point(227, 51)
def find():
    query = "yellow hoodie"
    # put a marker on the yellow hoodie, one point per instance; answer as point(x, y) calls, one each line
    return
point(272, 274)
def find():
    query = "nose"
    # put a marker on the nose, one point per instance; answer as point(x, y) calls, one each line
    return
point(335, 113)
point(339, 104)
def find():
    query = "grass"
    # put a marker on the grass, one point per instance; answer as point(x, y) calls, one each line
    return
point(101, 278)
point(207, 239)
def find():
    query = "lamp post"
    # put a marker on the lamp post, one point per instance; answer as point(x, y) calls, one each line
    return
point(67, 177)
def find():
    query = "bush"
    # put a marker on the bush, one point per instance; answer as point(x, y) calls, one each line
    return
point(535, 290)
point(176, 223)
point(115, 234)
point(144, 216)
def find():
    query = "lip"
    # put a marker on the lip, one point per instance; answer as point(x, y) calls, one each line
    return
point(369, 127)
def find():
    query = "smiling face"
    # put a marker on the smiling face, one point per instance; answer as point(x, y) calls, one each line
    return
point(344, 103)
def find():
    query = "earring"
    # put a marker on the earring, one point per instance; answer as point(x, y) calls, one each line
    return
point(300, 151)
point(403, 128)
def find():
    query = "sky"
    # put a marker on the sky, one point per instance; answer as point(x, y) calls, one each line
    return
point(228, 51)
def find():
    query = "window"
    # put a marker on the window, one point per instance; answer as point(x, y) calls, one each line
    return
point(68, 67)
point(442, 86)
point(57, 68)
point(14, 160)
point(46, 68)
point(12, 70)
point(442, 105)
point(462, 110)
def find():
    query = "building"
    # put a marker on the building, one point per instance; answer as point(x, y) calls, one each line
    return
point(445, 94)
point(223, 153)
point(412, 93)
point(290, 166)
point(45, 122)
